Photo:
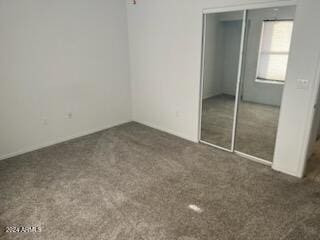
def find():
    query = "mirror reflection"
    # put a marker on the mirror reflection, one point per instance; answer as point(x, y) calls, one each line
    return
point(220, 73)
point(267, 46)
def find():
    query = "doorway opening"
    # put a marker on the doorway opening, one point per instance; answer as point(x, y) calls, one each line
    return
point(312, 166)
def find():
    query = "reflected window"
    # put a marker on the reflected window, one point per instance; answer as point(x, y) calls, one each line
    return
point(274, 50)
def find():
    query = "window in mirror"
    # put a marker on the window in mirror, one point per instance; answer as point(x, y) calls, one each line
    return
point(274, 50)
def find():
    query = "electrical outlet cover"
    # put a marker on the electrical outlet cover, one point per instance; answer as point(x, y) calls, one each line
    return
point(302, 83)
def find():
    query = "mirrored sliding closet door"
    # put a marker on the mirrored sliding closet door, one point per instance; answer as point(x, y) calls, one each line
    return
point(245, 57)
point(222, 36)
point(267, 46)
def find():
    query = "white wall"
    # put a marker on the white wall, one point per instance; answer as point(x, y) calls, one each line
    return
point(59, 57)
point(221, 55)
point(213, 54)
point(165, 57)
point(232, 42)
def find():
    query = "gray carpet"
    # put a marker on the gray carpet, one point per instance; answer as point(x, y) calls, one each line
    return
point(256, 126)
point(257, 129)
point(134, 182)
point(217, 120)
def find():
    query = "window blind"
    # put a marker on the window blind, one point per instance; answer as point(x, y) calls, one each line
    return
point(274, 50)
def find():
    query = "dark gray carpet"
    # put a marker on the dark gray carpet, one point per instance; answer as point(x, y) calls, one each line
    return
point(257, 129)
point(217, 120)
point(133, 182)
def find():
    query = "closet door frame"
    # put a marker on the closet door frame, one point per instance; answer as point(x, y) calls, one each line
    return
point(244, 8)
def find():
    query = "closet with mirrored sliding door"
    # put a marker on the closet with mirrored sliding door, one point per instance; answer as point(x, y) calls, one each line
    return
point(244, 63)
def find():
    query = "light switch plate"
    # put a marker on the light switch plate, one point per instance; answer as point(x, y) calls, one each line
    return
point(302, 83)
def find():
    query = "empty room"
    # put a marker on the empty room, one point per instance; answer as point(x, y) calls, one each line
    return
point(159, 120)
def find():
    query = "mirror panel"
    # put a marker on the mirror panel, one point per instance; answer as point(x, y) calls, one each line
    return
point(266, 51)
point(222, 37)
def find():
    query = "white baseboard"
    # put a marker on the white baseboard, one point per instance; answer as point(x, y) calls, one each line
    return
point(59, 140)
point(170, 131)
